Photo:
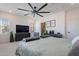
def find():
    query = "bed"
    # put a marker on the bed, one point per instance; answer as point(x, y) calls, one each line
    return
point(75, 47)
point(50, 46)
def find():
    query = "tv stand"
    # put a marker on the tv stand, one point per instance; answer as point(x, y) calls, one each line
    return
point(20, 36)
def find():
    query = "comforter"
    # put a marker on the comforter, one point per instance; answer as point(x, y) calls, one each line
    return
point(44, 47)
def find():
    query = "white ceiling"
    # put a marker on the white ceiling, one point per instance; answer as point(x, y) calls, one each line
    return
point(51, 7)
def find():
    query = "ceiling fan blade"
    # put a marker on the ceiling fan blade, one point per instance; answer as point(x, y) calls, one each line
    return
point(27, 14)
point(43, 12)
point(39, 14)
point(34, 15)
point(24, 10)
point(31, 6)
point(42, 7)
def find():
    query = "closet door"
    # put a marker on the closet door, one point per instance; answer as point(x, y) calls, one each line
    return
point(72, 24)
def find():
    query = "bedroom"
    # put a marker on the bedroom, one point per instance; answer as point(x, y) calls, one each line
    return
point(64, 15)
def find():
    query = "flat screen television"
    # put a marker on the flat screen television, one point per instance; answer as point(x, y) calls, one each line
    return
point(22, 28)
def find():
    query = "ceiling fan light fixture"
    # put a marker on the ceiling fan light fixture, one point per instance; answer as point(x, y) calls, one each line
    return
point(34, 11)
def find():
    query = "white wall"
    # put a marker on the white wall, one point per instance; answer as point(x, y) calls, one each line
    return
point(37, 24)
point(72, 18)
point(60, 22)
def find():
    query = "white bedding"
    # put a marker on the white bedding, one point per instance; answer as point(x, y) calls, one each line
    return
point(47, 46)
point(51, 46)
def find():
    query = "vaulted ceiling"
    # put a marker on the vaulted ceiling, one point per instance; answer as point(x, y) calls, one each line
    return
point(51, 7)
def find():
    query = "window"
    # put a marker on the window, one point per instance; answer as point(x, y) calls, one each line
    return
point(4, 25)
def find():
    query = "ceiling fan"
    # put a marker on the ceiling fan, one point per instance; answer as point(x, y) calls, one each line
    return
point(34, 11)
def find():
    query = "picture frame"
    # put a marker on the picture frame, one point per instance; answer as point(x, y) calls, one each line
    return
point(48, 23)
point(53, 23)
point(32, 27)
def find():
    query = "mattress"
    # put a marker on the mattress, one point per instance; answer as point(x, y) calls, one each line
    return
point(46, 46)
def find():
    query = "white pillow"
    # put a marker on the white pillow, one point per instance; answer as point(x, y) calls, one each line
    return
point(24, 50)
point(75, 40)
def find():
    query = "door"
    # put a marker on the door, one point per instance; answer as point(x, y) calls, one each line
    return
point(43, 27)
point(72, 24)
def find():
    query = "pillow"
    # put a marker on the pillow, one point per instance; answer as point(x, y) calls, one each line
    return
point(24, 50)
point(75, 40)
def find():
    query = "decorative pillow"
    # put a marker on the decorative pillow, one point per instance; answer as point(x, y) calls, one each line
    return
point(23, 50)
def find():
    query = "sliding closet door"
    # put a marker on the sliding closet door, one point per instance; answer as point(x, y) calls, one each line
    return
point(72, 23)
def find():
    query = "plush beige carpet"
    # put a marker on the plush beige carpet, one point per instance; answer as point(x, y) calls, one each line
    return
point(8, 49)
